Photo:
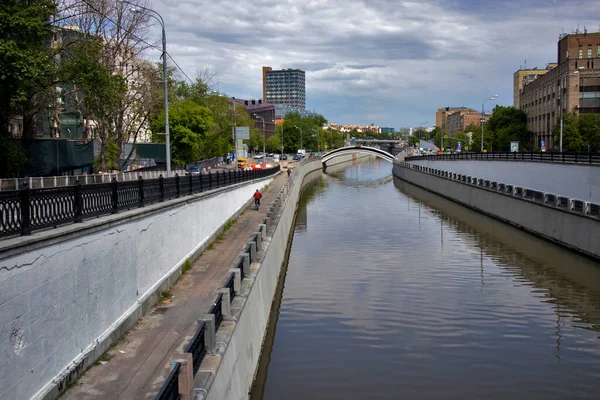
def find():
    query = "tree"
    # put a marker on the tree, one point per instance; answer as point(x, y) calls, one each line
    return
point(589, 128)
point(25, 61)
point(508, 124)
point(190, 126)
point(572, 139)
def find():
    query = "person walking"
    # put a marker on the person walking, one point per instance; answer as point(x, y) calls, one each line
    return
point(289, 172)
point(257, 197)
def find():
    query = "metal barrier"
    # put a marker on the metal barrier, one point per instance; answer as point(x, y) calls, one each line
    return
point(197, 347)
point(23, 211)
point(229, 284)
point(217, 311)
point(579, 158)
point(170, 389)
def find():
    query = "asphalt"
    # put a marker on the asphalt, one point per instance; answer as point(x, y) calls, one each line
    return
point(136, 366)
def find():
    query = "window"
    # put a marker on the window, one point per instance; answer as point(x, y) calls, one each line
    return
point(568, 54)
point(598, 51)
point(589, 52)
point(580, 55)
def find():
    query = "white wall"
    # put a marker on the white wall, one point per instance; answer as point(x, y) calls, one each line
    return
point(63, 298)
point(575, 181)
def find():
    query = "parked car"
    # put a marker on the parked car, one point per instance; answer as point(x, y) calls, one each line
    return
point(297, 157)
point(193, 170)
point(284, 157)
point(258, 156)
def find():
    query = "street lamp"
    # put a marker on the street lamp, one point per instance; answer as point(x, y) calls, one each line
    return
point(296, 126)
point(483, 117)
point(318, 138)
point(157, 16)
point(264, 137)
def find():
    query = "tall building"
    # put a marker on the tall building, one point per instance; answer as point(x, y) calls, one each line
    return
point(459, 120)
point(441, 116)
point(284, 88)
point(572, 86)
point(524, 77)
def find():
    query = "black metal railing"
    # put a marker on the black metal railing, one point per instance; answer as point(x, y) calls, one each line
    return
point(26, 210)
point(240, 265)
point(229, 284)
point(170, 389)
point(217, 311)
point(579, 158)
point(197, 347)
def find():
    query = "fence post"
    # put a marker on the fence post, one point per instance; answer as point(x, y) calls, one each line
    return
point(25, 215)
point(201, 179)
point(78, 200)
point(217, 179)
point(231, 182)
point(115, 195)
point(209, 180)
point(177, 184)
point(141, 190)
point(191, 190)
point(161, 184)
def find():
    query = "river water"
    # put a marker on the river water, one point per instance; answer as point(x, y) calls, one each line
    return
point(392, 292)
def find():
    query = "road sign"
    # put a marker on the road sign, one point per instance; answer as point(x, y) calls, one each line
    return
point(242, 132)
point(543, 145)
point(514, 147)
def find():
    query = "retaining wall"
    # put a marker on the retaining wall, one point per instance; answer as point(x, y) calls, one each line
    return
point(230, 373)
point(574, 230)
point(578, 181)
point(67, 293)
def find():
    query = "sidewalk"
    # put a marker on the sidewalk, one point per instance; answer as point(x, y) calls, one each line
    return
point(137, 365)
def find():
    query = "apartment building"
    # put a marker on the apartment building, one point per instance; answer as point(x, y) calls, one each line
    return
point(524, 77)
point(284, 88)
point(572, 86)
point(459, 120)
point(441, 116)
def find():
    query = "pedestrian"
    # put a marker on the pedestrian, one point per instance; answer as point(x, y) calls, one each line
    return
point(289, 172)
point(257, 197)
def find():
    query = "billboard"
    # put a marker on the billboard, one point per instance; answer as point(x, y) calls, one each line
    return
point(242, 132)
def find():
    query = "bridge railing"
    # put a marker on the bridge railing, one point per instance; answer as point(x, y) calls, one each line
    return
point(576, 158)
point(26, 210)
point(580, 207)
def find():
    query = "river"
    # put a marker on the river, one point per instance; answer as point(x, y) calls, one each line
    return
point(393, 292)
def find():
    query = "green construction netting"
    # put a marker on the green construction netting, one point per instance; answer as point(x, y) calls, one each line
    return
point(55, 157)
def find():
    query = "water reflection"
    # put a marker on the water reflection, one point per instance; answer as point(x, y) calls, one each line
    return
point(394, 292)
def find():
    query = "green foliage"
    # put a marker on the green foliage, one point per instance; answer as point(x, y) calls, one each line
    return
point(111, 157)
point(581, 133)
point(508, 124)
point(165, 295)
point(25, 62)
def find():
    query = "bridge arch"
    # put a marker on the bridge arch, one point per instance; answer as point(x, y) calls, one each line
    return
point(356, 149)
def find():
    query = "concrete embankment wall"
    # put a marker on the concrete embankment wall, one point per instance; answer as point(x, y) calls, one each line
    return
point(578, 181)
point(67, 293)
point(234, 375)
point(576, 231)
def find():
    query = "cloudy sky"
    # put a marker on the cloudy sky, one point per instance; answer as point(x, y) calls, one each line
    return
point(388, 62)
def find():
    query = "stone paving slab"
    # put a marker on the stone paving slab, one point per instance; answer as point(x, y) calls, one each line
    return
point(137, 365)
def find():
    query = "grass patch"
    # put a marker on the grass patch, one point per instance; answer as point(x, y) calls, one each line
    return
point(165, 295)
point(226, 227)
point(266, 187)
point(186, 266)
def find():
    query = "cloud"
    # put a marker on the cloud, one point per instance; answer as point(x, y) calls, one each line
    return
point(393, 55)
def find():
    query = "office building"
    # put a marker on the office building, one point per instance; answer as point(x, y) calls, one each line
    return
point(460, 119)
point(284, 88)
point(524, 77)
point(441, 116)
point(572, 86)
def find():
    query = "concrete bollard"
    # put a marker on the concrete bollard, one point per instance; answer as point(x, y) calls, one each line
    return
point(263, 229)
point(186, 375)
point(246, 263)
point(258, 239)
point(225, 301)
point(267, 222)
point(252, 249)
point(210, 338)
point(237, 279)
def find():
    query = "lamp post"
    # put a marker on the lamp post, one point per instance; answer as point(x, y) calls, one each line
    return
point(158, 17)
point(483, 117)
point(301, 147)
point(264, 137)
point(318, 138)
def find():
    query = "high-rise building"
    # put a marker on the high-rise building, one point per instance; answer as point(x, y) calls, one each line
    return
point(284, 88)
point(524, 77)
point(572, 86)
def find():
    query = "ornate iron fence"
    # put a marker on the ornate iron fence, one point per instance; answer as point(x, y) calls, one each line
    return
point(23, 211)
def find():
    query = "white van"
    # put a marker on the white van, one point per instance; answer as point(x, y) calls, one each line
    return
point(276, 158)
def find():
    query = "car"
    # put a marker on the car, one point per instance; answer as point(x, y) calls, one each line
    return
point(269, 154)
point(258, 156)
point(193, 170)
point(284, 157)
point(276, 158)
point(297, 157)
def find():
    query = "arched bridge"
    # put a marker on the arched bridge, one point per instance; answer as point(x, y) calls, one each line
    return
point(356, 149)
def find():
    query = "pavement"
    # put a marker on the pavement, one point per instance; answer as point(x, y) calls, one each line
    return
point(136, 366)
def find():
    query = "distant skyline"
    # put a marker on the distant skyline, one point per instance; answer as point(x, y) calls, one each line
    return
point(385, 62)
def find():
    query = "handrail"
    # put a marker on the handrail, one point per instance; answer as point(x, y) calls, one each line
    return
point(170, 389)
point(577, 158)
point(26, 210)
